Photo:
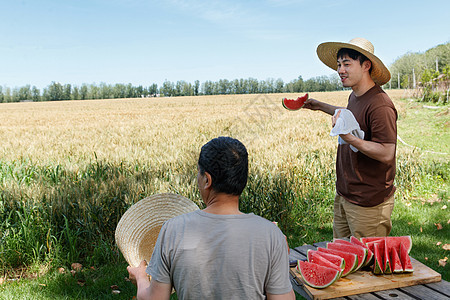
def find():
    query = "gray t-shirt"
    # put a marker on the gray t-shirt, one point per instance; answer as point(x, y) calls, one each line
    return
point(208, 256)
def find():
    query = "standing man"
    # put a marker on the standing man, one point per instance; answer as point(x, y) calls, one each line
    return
point(218, 252)
point(365, 177)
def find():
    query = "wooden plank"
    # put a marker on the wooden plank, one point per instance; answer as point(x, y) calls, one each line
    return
point(362, 282)
point(423, 292)
point(294, 255)
point(304, 249)
point(393, 294)
point(441, 286)
point(320, 244)
point(367, 296)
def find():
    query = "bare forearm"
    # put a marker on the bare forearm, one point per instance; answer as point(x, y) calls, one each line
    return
point(383, 152)
point(143, 288)
point(314, 104)
point(287, 296)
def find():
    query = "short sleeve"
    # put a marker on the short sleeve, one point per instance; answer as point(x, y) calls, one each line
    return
point(383, 122)
point(279, 281)
point(159, 267)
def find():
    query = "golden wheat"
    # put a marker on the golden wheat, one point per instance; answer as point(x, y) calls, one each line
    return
point(164, 130)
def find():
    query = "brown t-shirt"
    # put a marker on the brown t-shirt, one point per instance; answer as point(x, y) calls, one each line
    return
point(360, 179)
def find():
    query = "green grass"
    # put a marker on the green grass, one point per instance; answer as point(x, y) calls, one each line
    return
point(52, 216)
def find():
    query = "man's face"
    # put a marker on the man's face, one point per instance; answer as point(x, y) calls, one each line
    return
point(350, 71)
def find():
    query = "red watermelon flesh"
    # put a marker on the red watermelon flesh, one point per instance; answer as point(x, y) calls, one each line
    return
point(351, 260)
point(378, 261)
point(294, 104)
point(359, 251)
point(369, 257)
point(387, 260)
point(392, 241)
point(369, 254)
point(396, 241)
point(405, 259)
point(396, 263)
point(380, 243)
point(315, 275)
point(318, 258)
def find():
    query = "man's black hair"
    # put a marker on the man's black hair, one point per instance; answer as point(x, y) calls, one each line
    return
point(226, 160)
point(353, 54)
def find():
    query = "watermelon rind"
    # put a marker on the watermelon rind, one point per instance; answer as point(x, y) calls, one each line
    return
point(378, 261)
point(396, 263)
point(405, 260)
point(317, 258)
point(387, 259)
point(351, 259)
point(317, 276)
point(361, 252)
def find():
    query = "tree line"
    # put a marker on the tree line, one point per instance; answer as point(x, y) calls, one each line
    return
point(414, 69)
point(407, 71)
point(57, 91)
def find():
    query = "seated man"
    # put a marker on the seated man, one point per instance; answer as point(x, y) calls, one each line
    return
point(218, 252)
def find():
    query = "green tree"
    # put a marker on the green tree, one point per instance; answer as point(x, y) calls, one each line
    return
point(35, 94)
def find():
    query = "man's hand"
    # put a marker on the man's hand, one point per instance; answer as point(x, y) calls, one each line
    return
point(137, 273)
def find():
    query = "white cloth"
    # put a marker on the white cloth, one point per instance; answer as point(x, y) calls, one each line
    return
point(346, 123)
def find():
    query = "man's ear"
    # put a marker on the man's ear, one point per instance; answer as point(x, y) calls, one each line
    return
point(367, 64)
point(208, 181)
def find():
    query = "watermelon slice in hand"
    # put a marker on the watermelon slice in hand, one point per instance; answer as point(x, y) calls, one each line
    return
point(317, 276)
point(294, 104)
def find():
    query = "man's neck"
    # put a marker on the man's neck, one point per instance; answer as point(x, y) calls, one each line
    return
point(363, 86)
point(223, 204)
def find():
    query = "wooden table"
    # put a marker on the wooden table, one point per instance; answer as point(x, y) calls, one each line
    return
point(429, 287)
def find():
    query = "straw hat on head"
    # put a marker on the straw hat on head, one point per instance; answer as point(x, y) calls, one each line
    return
point(138, 228)
point(327, 53)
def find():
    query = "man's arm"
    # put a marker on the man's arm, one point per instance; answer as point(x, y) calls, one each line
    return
point(148, 290)
point(383, 152)
point(287, 296)
point(314, 104)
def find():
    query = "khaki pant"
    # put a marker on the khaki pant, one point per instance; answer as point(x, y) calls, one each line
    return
point(359, 221)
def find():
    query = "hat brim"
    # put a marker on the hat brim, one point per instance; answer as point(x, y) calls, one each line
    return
point(327, 53)
point(138, 228)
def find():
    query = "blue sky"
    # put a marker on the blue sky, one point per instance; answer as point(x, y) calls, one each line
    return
point(144, 42)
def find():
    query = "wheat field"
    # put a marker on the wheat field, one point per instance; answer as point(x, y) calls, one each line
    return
point(164, 130)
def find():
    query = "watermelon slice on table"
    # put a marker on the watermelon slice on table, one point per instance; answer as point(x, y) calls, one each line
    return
point(351, 260)
point(392, 241)
point(359, 251)
point(369, 257)
point(395, 261)
point(317, 276)
point(317, 258)
point(335, 259)
point(378, 261)
point(387, 260)
point(405, 259)
point(294, 104)
point(358, 243)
